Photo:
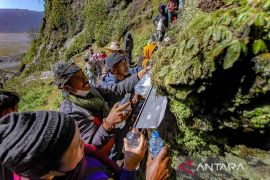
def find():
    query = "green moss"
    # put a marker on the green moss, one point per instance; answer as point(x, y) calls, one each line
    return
point(259, 117)
point(81, 42)
point(31, 51)
point(191, 140)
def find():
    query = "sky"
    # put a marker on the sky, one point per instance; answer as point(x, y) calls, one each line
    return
point(37, 5)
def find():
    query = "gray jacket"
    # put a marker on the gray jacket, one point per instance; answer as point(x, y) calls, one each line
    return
point(113, 91)
point(90, 133)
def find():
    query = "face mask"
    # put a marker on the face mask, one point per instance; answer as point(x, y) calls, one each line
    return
point(78, 92)
point(82, 93)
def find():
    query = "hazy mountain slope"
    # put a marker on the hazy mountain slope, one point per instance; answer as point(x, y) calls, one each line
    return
point(19, 20)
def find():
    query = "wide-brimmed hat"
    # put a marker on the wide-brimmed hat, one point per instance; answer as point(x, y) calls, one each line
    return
point(115, 46)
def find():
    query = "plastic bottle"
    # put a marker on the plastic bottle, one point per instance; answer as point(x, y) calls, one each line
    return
point(123, 101)
point(133, 138)
point(143, 86)
point(156, 144)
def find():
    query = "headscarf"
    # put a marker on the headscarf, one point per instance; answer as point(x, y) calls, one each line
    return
point(148, 51)
point(33, 143)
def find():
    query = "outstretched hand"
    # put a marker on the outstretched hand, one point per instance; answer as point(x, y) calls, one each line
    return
point(157, 169)
point(143, 72)
point(133, 156)
point(118, 113)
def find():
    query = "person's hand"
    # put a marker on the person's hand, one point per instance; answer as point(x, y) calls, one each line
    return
point(157, 169)
point(143, 72)
point(133, 156)
point(135, 99)
point(118, 114)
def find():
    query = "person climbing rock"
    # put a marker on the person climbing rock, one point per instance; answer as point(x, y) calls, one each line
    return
point(47, 145)
point(90, 70)
point(148, 51)
point(128, 46)
point(102, 56)
point(161, 22)
point(118, 72)
point(172, 7)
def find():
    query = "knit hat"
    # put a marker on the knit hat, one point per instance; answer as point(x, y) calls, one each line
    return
point(113, 59)
point(33, 143)
point(63, 72)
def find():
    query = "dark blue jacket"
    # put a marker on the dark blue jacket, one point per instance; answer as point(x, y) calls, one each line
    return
point(124, 86)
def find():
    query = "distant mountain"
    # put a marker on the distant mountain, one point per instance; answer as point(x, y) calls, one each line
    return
point(19, 20)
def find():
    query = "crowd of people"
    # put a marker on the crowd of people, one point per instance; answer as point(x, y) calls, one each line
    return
point(83, 140)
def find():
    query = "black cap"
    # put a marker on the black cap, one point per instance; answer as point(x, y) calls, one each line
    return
point(113, 59)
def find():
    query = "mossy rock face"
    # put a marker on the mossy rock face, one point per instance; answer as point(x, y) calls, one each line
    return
point(210, 5)
point(217, 77)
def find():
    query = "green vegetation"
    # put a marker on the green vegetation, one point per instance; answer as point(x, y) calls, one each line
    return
point(36, 94)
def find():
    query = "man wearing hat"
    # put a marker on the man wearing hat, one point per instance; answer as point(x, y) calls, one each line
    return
point(87, 104)
point(115, 48)
point(119, 73)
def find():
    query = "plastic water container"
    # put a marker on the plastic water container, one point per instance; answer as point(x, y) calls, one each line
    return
point(133, 138)
point(143, 86)
point(156, 144)
point(122, 102)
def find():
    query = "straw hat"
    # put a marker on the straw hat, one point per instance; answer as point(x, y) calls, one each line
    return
point(114, 47)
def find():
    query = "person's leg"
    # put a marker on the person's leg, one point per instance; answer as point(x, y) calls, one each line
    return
point(130, 56)
point(160, 35)
point(99, 72)
point(174, 16)
point(181, 4)
point(169, 16)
